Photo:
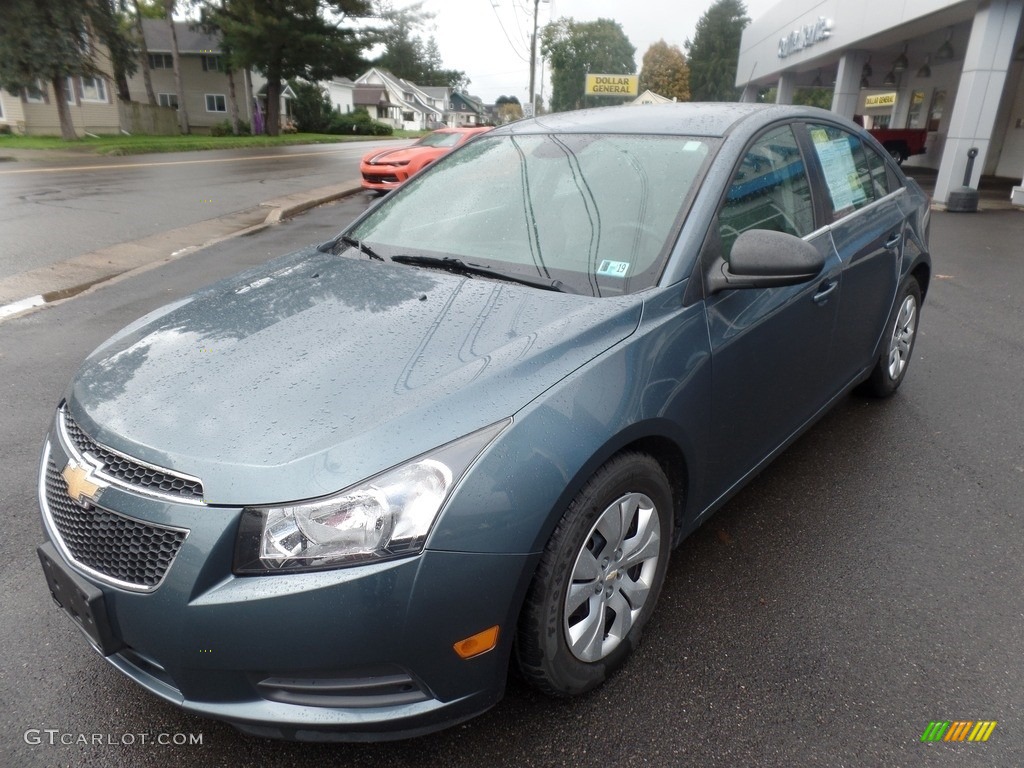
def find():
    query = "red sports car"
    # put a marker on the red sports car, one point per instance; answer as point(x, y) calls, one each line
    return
point(384, 170)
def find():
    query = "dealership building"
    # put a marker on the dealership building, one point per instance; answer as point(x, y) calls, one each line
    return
point(953, 68)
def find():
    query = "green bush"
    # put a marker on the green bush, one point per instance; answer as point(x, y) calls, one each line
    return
point(311, 108)
point(357, 123)
point(223, 128)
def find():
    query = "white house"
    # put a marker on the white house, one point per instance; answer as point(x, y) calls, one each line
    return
point(396, 101)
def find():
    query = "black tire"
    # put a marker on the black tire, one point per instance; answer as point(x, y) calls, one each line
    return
point(897, 343)
point(633, 488)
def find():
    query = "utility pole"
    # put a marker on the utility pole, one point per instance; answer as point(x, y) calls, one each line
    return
point(533, 52)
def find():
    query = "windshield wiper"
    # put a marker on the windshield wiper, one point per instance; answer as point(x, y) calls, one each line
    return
point(360, 245)
point(460, 267)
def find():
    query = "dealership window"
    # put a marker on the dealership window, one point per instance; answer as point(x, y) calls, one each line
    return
point(167, 100)
point(215, 102)
point(161, 61)
point(914, 116)
point(768, 191)
point(936, 109)
point(212, 64)
point(94, 89)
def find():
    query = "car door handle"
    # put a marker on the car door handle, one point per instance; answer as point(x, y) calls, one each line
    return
point(893, 241)
point(825, 290)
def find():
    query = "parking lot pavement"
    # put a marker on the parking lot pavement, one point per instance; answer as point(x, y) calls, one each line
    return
point(866, 584)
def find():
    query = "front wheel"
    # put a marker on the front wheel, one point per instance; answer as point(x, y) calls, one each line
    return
point(598, 579)
point(898, 343)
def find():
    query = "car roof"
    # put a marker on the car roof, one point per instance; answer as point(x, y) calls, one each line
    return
point(683, 119)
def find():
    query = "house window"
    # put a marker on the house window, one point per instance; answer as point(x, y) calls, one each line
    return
point(407, 96)
point(167, 100)
point(35, 93)
point(69, 90)
point(1, 106)
point(94, 89)
point(408, 117)
point(215, 102)
point(212, 64)
point(161, 61)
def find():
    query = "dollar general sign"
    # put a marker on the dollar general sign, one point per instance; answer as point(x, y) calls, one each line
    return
point(612, 85)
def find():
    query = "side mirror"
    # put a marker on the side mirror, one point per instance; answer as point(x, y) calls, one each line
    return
point(762, 258)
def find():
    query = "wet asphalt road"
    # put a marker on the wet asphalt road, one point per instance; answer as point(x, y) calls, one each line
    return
point(59, 209)
point(869, 582)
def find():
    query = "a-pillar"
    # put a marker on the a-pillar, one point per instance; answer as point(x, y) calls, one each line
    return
point(846, 97)
point(982, 82)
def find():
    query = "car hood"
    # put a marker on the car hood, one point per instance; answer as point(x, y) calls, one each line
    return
point(404, 154)
point(297, 379)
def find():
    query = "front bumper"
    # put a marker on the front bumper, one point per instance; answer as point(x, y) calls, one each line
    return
point(360, 653)
point(382, 177)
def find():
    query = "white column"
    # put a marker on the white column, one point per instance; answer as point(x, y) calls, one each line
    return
point(749, 94)
point(785, 89)
point(846, 97)
point(982, 82)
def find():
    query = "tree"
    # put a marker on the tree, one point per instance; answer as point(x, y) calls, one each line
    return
point(147, 78)
point(406, 55)
point(176, 60)
point(109, 19)
point(508, 109)
point(715, 50)
point(286, 39)
point(575, 48)
point(665, 72)
point(47, 42)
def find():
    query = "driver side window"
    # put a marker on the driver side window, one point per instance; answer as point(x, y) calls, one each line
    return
point(768, 191)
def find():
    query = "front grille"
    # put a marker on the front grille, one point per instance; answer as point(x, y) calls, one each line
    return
point(131, 473)
point(128, 551)
point(391, 688)
point(378, 178)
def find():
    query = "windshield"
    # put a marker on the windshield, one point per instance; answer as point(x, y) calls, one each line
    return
point(597, 212)
point(445, 139)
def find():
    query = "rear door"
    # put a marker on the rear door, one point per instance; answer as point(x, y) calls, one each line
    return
point(867, 228)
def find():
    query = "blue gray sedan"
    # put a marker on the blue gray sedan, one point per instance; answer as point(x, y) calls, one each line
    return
point(337, 496)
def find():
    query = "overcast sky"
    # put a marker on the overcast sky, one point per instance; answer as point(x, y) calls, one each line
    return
point(490, 39)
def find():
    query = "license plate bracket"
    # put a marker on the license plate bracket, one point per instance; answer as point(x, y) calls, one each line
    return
point(79, 599)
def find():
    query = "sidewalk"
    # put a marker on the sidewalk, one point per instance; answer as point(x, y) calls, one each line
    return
point(993, 191)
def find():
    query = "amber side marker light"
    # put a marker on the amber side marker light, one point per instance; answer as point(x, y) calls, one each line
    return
point(481, 642)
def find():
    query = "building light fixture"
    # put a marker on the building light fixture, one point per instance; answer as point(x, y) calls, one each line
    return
point(945, 52)
point(925, 70)
point(901, 62)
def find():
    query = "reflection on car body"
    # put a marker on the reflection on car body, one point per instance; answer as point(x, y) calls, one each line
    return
point(467, 432)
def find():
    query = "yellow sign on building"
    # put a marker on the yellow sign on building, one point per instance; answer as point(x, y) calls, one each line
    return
point(880, 100)
point(612, 85)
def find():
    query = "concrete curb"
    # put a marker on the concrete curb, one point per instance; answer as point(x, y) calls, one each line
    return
point(28, 291)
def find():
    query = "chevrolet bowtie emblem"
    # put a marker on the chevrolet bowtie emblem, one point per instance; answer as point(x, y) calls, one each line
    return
point(81, 487)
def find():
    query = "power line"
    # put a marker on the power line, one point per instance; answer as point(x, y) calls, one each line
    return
point(494, 7)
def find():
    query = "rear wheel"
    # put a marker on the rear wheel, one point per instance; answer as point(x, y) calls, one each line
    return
point(598, 579)
point(898, 343)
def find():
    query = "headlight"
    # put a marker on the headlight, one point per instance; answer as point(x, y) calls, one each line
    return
point(387, 516)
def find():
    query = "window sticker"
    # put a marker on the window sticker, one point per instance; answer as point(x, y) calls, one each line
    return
point(840, 171)
point(613, 268)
